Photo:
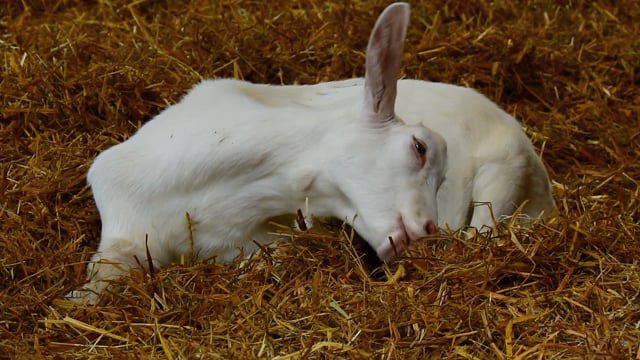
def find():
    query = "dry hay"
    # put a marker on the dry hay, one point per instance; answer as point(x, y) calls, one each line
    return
point(78, 77)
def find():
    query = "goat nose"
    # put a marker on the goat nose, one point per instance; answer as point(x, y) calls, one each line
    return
point(431, 227)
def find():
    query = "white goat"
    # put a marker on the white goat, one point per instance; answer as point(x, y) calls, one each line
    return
point(209, 173)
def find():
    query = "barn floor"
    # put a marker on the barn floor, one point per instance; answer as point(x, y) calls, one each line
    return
point(77, 77)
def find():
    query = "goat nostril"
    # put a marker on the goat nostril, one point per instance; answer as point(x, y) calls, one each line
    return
point(431, 227)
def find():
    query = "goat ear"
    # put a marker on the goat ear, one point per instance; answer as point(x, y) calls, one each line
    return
point(384, 54)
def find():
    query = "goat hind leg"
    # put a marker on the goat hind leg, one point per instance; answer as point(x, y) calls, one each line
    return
point(497, 192)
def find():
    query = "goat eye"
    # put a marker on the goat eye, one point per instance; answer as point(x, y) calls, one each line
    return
point(420, 151)
point(420, 147)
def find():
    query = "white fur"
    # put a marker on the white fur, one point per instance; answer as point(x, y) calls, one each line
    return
point(232, 156)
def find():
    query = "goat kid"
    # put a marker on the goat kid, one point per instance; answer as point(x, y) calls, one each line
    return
point(209, 173)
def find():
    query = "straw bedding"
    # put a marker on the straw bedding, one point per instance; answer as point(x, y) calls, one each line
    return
point(78, 77)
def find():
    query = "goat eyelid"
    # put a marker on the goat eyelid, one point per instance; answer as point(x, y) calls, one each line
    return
point(420, 150)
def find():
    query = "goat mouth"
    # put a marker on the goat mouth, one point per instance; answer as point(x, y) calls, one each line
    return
point(396, 244)
point(405, 238)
